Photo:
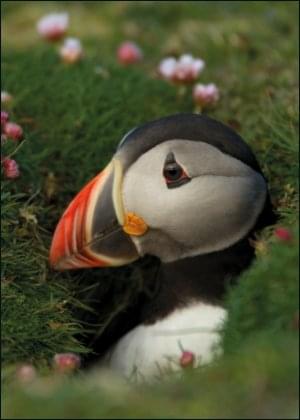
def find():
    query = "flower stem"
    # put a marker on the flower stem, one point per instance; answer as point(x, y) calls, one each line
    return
point(16, 149)
point(181, 91)
point(198, 109)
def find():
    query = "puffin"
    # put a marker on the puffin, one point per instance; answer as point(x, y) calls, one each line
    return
point(186, 193)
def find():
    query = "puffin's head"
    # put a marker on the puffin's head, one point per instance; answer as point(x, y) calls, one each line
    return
point(180, 186)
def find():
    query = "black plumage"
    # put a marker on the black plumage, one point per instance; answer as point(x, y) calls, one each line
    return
point(193, 127)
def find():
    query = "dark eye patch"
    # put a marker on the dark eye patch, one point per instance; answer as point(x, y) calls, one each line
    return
point(173, 173)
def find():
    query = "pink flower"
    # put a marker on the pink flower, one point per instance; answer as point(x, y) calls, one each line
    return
point(128, 53)
point(6, 97)
point(187, 359)
point(26, 373)
point(184, 70)
point(13, 131)
point(4, 118)
point(53, 26)
point(283, 234)
point(10, 168)
point(66, 362)
point(71, 50)
point(205, 95)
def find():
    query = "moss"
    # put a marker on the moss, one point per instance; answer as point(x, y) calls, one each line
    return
point(259, 382)
point(267, 298)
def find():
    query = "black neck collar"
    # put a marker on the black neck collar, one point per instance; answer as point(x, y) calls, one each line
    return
point(200, 278)
point(167, 287)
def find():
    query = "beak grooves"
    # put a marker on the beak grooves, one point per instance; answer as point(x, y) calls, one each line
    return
point(72, 236)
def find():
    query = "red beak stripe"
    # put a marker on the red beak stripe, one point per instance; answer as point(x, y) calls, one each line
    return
point(70, 242)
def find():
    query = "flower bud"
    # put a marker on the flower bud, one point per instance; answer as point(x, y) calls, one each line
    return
point(205, 95)
point(4, 118)
point(13, 131)
point(128, 53)
point(71, 51)
point(283, 234)
point(66, 362)
point(53, 27)
point(10, 168)
point(187, 359)
point(26, 373)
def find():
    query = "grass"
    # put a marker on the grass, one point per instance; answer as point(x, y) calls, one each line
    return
point(73, 118)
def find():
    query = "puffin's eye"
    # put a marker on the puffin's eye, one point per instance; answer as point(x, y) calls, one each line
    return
point(174, 174)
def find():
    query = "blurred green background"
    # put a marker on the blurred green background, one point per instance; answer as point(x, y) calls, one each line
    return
point(73, 118)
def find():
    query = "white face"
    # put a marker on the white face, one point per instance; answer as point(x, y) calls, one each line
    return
point(214, 210)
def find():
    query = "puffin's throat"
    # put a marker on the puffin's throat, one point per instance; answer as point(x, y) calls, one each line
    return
point(201, 278)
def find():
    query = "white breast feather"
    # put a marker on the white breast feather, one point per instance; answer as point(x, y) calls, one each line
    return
point(150, 350)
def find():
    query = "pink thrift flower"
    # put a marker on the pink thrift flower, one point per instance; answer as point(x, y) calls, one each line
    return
point(283, 234)
point(167, 67)
point(13, 131)
point(187, 359)
point(71, 50)
point(26, 373)
point(205, 95)
point(53, 26)
point(66, 362)
point(10, 168)
point(128, 53)
point(184, 70)
point(6, 97)
point(4, 118)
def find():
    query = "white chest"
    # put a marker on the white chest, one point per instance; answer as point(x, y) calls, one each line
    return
point(150, 350)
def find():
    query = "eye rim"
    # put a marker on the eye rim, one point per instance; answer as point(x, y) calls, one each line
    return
point(182, 178)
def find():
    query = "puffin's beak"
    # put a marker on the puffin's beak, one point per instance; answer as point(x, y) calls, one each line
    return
point(92, 230)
